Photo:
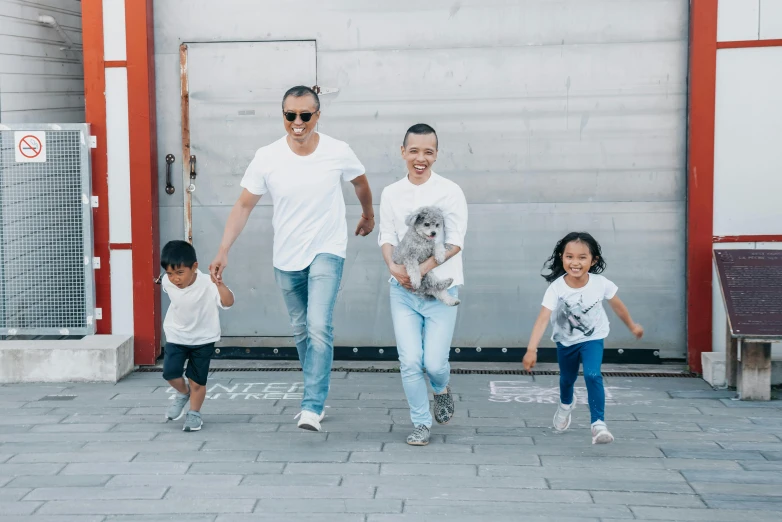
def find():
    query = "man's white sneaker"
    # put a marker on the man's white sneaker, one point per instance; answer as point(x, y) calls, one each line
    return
point(563, 415)
point(600, 433)
point(309, 420)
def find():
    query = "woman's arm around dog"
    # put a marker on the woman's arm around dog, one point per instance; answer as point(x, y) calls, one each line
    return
point(541, 323)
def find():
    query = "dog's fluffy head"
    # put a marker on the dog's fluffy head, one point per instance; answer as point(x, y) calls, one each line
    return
point(428, 222)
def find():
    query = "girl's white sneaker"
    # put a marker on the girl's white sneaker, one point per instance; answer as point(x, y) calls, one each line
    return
point(600, 433)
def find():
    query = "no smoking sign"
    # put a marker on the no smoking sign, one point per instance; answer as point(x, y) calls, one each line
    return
point(30, 147)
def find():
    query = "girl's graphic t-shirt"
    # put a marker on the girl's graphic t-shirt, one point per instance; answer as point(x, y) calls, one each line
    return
point(577, 313)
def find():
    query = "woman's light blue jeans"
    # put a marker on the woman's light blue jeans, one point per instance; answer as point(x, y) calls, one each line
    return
point(310, 295)
point(424, 330)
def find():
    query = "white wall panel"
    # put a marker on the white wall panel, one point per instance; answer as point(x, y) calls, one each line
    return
point(121, 292)
point(738, 20)
point(747, 146)
point(118, 149)
point(770, 19)
point(114, 30)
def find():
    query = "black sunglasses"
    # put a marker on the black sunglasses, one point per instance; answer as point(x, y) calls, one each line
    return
point(305, 116)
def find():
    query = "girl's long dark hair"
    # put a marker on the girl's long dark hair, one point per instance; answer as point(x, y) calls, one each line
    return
point(554, 263)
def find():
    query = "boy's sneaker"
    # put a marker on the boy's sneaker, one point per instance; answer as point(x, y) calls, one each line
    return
point(443, 406)
point(309, 420)
point(192, 421)
point(563, 415)
point(177, 407)
point(419, 437)
point(600, 433)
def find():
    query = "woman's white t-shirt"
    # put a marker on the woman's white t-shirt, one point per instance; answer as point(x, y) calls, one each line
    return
point(309, 210)
point(577, 313)
point(192, 318)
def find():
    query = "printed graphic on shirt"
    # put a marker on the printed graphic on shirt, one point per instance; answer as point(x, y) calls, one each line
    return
point(575, 316)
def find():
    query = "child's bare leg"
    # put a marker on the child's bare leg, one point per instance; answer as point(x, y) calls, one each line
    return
point(179, 385)
point(197, 396)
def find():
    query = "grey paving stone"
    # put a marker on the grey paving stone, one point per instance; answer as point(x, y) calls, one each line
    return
point(733, 403)
point(280, 442)
point(40, 447)
point(446, 485)
point(158, 446)
point(424, 457)
point(708, 515)
point(118, 456)
point(5, 457)
point(241, 468)
point(647, 499)
point(292, 517)
point(735, 477)
point(29, 469)
point(699, 464)
point(164, 518)
point(214, 431)
point(488, 440)
point(152, 507)
point(383, 437)
point(326, 505)
point(14, 429)
point(434, 470)
point(77, 437)
point(306, 456)
point(773, 455)
point(748, 489)
point(604, 462)
point(702, 394)
point(502, 517)
point(12, 412)
point(28, 420)
point(5, 480)
point(291, 480)
point(52, 518)
point(631, 486)
point(713, 455)
point(197, 456)
point(743, 502)
point(583, 473)
point(585, 449)
point(87, 493)
point(58, 481)
point(481, 494)
point(404, 448)
point(729, 437)
point(299, 468)
point(270, 492)
point(126, 468)
point(11, 494)
point(71, 428)
point(744, 446)
point(513, 507)
point(126, 481)
point(754, 465)
point(18, 508)
point(334, 427)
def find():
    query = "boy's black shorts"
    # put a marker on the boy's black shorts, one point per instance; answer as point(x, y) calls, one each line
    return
point(197, 358)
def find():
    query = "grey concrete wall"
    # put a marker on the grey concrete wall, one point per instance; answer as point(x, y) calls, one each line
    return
point(553, 116)
point(39, 82)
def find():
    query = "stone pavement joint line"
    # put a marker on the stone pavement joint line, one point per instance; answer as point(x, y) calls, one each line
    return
point(683, 452)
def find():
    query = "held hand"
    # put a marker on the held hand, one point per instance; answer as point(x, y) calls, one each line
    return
point(530, 359)
point(400, 274)
point(217, 267)
point(637, 330)
point(365, 226)
point(218, 282)
point(427, 266)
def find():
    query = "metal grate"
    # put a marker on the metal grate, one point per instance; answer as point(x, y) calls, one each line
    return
point(454, 371)
point(46, 277)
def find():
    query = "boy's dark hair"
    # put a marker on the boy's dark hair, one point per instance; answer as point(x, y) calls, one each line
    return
point(421, 129)
point(554, 263)
point(177, 253)
point(298, 92)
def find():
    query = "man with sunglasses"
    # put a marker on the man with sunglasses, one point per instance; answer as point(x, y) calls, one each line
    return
point(303, 174)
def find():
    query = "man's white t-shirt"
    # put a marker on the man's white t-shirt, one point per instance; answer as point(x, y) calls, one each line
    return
point(192, 318)
point(578, 315)
point(309, 210)
point(401, 198)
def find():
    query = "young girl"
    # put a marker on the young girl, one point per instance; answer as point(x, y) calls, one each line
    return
point(573, 303)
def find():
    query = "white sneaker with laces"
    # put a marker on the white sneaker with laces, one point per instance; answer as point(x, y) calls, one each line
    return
point(309, 420)
point(600, 433)
point(562, 417)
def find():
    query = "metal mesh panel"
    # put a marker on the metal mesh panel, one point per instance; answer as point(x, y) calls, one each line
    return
point(46, 277)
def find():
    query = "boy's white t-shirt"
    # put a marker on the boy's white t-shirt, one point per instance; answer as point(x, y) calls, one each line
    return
point(192, 318)
point(577, 313)
point(309, 210)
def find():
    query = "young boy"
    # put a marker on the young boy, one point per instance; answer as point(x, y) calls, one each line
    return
point(192, 327)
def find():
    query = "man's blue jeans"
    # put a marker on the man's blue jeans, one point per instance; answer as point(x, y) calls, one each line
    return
point(310, 295)
point(423, 330)
point(590, 354)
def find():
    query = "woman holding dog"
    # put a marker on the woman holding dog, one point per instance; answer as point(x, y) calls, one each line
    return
point(424, 326)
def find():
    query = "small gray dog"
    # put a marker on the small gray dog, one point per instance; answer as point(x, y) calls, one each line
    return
point(425, 238)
